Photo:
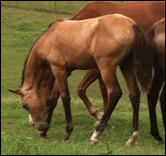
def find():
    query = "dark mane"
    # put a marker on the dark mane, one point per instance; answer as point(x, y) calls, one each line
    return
point(25, 63)
point(23, 72)
point(22, 80)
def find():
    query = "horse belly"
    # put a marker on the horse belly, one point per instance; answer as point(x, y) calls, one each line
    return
point(82, 62)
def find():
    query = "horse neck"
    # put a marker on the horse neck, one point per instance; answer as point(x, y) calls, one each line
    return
point(32, 70)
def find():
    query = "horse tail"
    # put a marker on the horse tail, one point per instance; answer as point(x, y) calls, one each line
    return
point(142, 59)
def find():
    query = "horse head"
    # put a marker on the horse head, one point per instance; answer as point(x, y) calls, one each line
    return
point(36, 101)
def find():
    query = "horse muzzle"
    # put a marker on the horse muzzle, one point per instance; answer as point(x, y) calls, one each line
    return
point(43, 126)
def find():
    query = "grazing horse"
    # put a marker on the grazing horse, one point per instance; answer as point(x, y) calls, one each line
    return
point(145, 14)
point(104, 42)
point(156, 36)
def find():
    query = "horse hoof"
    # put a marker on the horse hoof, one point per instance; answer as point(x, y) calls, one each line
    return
point(158, 142)
point(66, 141)
point(132, 139)
point(157, 139)
point(43, 135)
point(93, 142)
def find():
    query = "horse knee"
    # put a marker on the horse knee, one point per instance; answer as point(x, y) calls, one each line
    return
point(80, 92)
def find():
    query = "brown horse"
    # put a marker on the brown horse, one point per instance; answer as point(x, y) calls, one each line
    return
point(103, 42)
point(156, 35)
point(154, 10)
point(145, 13)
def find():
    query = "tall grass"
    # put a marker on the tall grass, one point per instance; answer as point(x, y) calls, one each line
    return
point(19, 29)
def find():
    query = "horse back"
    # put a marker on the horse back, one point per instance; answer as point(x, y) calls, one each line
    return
point(144, 13)
point(75, 43)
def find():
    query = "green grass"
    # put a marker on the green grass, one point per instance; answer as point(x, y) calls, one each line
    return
point(19, 29)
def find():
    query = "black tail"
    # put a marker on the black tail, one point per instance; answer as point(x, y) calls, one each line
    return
point(142, 59)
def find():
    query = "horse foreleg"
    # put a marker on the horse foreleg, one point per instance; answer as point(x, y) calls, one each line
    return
point(61, 77)
point(88, 79)
point(152, 101)
point(52, 102)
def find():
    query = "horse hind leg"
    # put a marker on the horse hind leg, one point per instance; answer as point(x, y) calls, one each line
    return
point(134, 95)
point(103, 92)
point(114, 93)
point(104, 95)
point(162, 103)
point(88, 79)
point(152, 101)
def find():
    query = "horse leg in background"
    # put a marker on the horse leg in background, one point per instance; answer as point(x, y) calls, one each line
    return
point(162, 103)
point(134, 95)
point(61, 78)
point(52, 102)
point(114, 94)
point(152, 101)
point(104, 95)
point(88, 79)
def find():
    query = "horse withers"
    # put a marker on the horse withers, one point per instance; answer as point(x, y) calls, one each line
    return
point(103, 42)
point(156, 37)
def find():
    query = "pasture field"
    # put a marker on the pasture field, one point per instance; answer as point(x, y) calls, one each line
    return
point(20, 27)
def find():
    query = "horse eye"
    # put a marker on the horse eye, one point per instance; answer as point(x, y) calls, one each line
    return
point(25, 106)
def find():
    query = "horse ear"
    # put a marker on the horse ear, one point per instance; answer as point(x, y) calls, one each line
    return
point(15, 91)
